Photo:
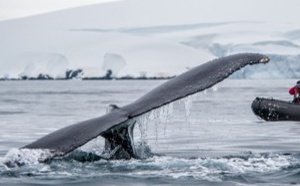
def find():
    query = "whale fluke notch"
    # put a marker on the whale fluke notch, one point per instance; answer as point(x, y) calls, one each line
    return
point(112, 124)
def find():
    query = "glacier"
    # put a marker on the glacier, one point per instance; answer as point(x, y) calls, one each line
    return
point(126, 39)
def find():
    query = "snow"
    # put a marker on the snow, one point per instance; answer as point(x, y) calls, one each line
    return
point(152, 38)
point(113, 62)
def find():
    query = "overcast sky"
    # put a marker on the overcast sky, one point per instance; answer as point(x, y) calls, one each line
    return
point(10, 9)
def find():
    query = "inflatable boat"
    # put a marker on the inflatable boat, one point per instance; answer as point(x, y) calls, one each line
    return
point(276, 110)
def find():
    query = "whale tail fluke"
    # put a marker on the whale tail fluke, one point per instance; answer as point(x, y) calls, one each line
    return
point(117, 125)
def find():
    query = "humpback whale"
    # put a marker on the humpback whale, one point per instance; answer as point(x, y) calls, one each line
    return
point(117, 125)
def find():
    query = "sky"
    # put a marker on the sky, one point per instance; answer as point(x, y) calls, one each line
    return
point(10, 9)
point(283, 10)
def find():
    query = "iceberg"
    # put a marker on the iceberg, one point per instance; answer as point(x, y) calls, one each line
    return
point(34, 65)
point(112, 64)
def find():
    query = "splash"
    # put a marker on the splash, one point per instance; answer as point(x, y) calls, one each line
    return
point(157, 118)
point(20, 157)
point(185, 106)
point(95, 146)
point(154, 124)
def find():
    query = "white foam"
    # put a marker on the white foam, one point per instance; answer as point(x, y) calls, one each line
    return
point(210, 169)
point(19, 157)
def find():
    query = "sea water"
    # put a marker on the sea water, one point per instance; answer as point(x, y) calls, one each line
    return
point(211, 138)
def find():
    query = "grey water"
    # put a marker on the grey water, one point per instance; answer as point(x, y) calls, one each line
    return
point(211, 138)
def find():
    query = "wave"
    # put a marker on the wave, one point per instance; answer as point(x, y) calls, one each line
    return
point(246, 168)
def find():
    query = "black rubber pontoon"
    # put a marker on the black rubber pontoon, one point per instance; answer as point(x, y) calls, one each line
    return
point(276, 110)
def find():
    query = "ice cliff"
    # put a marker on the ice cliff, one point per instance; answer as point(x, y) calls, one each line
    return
point(127, 38)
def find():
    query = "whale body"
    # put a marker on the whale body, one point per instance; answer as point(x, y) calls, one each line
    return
point(117, 125)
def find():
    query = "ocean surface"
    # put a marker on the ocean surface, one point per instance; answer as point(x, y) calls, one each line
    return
point(211, 138)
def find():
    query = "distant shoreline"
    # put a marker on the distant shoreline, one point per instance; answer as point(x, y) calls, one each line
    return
point(87, 78)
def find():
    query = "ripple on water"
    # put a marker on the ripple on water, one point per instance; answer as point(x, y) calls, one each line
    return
point(247, 168)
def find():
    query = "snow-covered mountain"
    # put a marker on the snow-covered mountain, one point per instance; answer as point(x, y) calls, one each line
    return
point(152, 38)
